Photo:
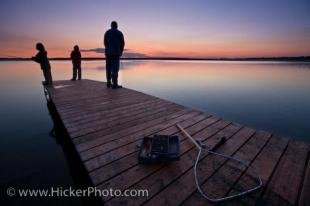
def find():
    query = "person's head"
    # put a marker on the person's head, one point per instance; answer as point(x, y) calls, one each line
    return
point(114, 25)
point(76, 48)
point(40, 47)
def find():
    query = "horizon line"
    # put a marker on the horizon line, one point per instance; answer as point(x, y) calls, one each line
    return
point(283, 58)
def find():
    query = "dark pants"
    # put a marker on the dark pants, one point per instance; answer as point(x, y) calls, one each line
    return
point(112, 67)
point(48, 76)
point(77, 69)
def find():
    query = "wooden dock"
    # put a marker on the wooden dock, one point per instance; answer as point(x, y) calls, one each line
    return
point(106, 126)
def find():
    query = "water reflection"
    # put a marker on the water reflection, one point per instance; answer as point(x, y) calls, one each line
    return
point(267, 95)
point(273, 96)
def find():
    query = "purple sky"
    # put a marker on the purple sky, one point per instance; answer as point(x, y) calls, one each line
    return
point(218, 28)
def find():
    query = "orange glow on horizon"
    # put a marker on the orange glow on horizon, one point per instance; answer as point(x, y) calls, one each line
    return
point(206, 49)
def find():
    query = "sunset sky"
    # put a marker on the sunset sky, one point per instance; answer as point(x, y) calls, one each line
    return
point(183, 28)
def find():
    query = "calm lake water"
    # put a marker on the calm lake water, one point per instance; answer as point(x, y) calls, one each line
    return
point(273, 96)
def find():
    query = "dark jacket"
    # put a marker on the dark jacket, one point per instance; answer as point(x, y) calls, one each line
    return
point(114, 42)
point(42, 59)
point(76, 57)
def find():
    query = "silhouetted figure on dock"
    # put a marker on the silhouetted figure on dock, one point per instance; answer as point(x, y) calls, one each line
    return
point(114, 46)
point(76, 62)
point(42, 59)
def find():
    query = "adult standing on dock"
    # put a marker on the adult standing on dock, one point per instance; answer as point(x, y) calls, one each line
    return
point(42, 59)
point(76, 62)
point(114, 46)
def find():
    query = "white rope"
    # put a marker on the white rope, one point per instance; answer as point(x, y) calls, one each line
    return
point(200, 147)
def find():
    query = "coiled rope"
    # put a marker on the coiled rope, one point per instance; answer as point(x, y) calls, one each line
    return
point(200, 146)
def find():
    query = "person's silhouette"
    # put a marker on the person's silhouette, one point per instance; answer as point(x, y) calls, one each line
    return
point(114, 46)
point(76, 62)
point(42, 59)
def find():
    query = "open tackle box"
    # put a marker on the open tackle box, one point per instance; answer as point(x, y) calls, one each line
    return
point(158, 149)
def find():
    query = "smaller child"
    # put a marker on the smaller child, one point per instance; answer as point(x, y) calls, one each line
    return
point(76, 62)
point(42, 59)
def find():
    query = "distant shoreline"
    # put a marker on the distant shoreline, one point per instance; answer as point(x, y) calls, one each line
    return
point(297, 59)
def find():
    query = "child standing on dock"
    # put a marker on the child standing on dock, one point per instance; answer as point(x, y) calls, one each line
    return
point(42, 59)
point(76, 62)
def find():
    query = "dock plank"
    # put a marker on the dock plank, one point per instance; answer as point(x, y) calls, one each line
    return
point(139, 172)
point(169, 173)
point(123, 164)
point(304, 196)
point(132, 147)
point(220, 183)
point(98, 138)
point(119, 124)
point(265, 163)
point(105, 127)
point(284, 185)
point(208, 166)
point(122, 116)
point(137, 136)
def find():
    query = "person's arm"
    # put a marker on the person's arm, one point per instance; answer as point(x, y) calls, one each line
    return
point(105, 42)
point(36, 58)
point(122, 43)
point(71, 55)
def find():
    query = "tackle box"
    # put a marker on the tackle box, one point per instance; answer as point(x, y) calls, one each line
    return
point(158, 149)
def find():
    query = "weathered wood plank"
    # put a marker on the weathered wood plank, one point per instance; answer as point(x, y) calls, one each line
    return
point(98, 138)
point(105, 99)
point(132, 147)
point(131, 161)
point(304, 196)
point(139, 172)
point(104, 112)
point(99, 96)
point(106, 126)
point(136, 137)
point(126, 122)
point(166, 175)
point(285, 182)
point(119, 116)
point(100, 105)
point(208, 166)
point(217, 185)
point(266, 163)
